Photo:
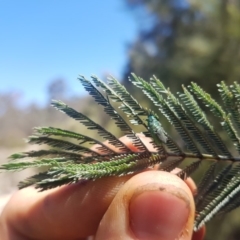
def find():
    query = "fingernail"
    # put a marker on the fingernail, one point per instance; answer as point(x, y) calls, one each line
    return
point(159, 214)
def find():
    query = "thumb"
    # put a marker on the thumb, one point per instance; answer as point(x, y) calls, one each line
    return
point(151, 205)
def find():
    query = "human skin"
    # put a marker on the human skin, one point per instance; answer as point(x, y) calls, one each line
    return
point(146, 206)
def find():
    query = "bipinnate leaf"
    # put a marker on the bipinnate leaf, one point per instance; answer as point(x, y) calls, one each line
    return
point(69, 157)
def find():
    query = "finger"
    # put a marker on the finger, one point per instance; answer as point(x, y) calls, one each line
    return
point(69, 212)
point(129, 143)
point(199, 235)
point(147, 142)
point(151, 205)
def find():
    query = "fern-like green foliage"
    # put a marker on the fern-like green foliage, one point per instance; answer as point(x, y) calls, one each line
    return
point(69, 160)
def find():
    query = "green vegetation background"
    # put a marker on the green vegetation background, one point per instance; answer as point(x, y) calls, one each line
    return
point(179, 42)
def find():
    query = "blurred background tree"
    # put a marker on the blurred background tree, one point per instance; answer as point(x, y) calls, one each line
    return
point(181, 41)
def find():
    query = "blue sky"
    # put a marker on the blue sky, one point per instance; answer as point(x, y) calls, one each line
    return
point(44, 40)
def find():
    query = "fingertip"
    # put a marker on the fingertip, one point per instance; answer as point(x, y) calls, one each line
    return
point(145, 205)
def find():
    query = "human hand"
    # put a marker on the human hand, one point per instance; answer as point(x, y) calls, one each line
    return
point(149, 205)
